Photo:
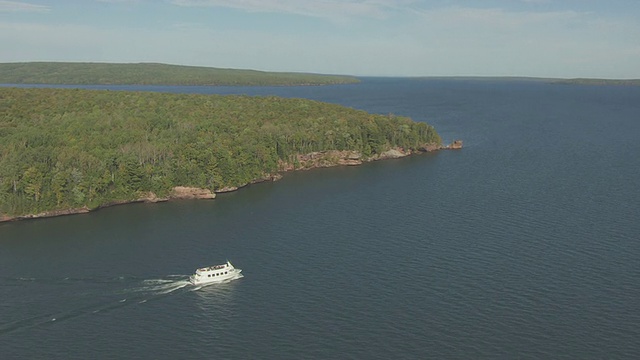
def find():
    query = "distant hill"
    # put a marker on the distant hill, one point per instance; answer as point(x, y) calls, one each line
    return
point(153, 74)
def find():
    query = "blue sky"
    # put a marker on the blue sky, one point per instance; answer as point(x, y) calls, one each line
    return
point(544, 38)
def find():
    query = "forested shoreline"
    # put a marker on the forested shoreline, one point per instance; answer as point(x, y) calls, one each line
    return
point(78, 73)
point(71, 148)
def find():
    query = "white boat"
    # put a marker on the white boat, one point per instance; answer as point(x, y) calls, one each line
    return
point(215, 274)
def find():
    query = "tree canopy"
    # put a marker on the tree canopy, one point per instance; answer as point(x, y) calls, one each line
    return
point(68, 148)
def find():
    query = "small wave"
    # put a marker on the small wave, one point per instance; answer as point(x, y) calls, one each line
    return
point(172, 289)
point(157, 281)
point(70, 279)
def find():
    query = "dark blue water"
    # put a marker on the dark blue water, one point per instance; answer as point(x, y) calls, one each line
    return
point(525, 244)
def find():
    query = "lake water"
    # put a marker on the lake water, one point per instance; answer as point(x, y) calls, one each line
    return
point(525, 244)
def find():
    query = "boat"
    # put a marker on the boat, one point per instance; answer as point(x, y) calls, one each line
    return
point(215, 274)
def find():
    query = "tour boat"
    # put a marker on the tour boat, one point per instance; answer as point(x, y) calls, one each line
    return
point(215, 274)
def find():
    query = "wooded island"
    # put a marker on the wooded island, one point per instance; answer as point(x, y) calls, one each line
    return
point(70, 148)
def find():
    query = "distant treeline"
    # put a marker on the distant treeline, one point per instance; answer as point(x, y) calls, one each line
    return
point(576, 81)
point(152, 74)
point(68, 148)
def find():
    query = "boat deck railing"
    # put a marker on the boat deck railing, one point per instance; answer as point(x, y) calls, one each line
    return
point(210, 268)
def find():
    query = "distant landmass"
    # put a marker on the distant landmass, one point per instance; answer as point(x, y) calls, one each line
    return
point(72, 73)
point(629, 82)
point(576, 81)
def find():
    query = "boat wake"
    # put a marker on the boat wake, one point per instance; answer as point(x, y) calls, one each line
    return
point(133, 292)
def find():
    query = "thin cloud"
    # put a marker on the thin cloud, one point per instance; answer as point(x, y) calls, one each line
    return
point(16, 6)
point(312, 8)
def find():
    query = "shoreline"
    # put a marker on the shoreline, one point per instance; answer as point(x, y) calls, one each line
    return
point(314, 160)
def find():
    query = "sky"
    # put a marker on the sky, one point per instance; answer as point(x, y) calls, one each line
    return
point(537, 38)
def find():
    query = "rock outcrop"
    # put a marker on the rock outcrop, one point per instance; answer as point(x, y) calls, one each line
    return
point(227, 189)
point(46, 214)
point(151, 197)
point(320, 159)
point(456, 145)
point(267, 177)
point(393, 154)
point(429, 147)
point(184, 192)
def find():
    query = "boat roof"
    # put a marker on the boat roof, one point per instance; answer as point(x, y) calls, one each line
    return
point(216, 267)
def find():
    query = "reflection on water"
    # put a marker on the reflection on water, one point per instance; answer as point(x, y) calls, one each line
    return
point(215, 310)
point(213, 297)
